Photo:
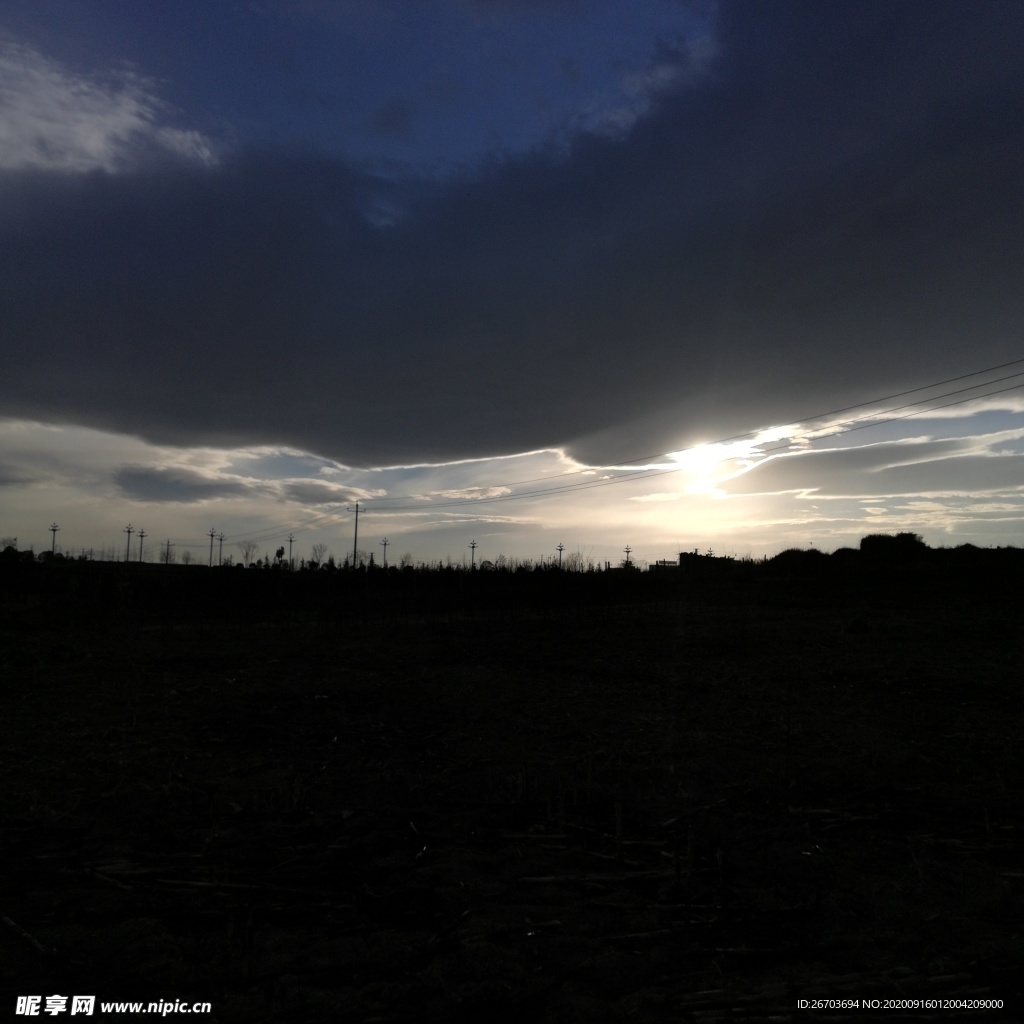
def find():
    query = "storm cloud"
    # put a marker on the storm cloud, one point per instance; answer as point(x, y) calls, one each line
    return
point(831, 210)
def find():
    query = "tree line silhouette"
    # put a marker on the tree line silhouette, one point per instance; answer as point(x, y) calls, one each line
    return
point(886, 567)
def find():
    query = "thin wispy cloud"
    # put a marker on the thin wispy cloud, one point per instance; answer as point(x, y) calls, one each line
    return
point(474, 492)
point(918, 467)
point(55, 119)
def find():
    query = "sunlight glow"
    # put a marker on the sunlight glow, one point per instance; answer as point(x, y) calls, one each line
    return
point(708, 465)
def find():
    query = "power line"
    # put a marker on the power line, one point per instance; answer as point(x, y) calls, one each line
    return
point(336, 512)
point(660, 470)
point(313, 519)
point(896, 419)
point(898, 394)
point(753, 433)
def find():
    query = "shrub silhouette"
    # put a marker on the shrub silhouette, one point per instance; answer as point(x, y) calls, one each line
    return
point(903, 549)
point(797, 562)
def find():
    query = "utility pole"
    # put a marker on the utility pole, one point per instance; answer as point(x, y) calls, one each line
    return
point(355, 540)
point(472, 555)
point(291, 564)
point(560, 549)
point(142, 537)
point(220, 550)
point(213, 533)
point(385, 543)
point(129, 529)
point(167, 557)
point(53, 544)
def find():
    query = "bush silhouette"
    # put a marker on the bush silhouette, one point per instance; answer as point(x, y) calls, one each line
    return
point(903, 549)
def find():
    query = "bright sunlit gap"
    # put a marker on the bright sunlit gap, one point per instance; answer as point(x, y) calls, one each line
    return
point(707, 465)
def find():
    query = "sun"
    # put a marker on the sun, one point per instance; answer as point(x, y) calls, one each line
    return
point(708, 465)
point(701, 467)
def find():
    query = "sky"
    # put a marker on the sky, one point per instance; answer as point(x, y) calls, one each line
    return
point(673, 274)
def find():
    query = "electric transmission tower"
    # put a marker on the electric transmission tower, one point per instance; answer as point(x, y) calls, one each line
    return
point(53, 544)
point(213, 533)
point(384, 544)
point(472, 555)
point(142, 537)
point(129, 529)
point(291, 564)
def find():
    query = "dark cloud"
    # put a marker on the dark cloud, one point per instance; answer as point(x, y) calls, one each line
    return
point(312, 492)
point(142, 483)
point(18, 476)
point(518, 6)
point(394, 118)
point(569, 69)
point(833, 213)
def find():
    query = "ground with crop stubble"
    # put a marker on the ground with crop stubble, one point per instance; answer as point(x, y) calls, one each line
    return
point(703, 806)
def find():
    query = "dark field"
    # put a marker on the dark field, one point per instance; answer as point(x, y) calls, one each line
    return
point(699, 805)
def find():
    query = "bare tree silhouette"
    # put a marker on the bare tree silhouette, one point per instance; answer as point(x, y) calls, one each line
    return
point(248, 549)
